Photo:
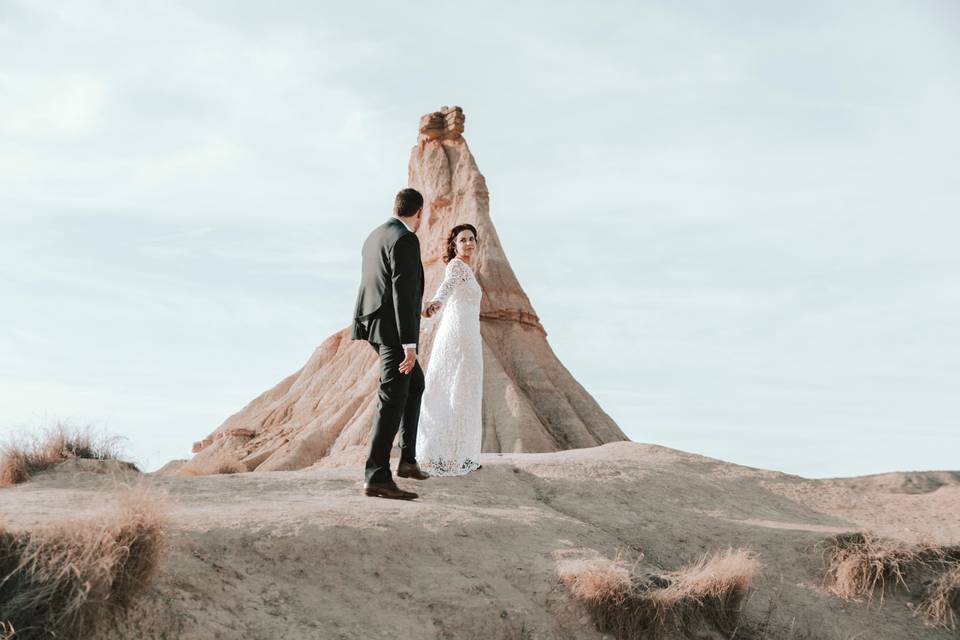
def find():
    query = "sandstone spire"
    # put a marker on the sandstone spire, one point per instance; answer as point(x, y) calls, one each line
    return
point(531, 402)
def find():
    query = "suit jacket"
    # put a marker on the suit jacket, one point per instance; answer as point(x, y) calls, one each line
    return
point(391, 287)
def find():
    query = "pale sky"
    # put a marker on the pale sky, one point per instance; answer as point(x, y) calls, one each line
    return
point(737, 221)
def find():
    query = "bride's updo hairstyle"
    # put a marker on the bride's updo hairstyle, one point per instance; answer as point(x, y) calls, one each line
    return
point(451, 252)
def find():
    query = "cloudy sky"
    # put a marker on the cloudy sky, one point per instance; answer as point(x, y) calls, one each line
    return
point(738, 221)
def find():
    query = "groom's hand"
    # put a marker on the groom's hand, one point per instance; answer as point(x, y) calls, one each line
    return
point(410, 358)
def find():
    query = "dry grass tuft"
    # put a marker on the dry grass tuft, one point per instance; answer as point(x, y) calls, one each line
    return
point(68, 579)
point(604, 585)
point(7, 632)
point(214, 466)
point(22, 458)
point(229, 466)
point(710, 590)
point(941, 606)
point(715, 585)
point(862, 565)
point(15, 466)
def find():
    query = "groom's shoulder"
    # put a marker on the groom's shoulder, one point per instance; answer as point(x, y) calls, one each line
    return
point(382, 231)
point(393, 231)
point(389, 235)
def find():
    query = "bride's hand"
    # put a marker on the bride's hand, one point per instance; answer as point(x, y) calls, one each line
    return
point(430, 309)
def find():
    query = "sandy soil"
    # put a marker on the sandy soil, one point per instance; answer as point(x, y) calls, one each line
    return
point(302, 554)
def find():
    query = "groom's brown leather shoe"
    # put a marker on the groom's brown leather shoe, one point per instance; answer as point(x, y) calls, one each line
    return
point(387, 490)
point(411, 470)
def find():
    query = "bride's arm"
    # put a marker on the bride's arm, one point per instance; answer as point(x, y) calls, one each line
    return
point(454, 275)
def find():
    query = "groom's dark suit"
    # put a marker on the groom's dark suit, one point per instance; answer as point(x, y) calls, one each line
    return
point(387, 315)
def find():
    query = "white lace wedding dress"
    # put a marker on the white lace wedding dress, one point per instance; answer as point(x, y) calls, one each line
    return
point(450, 430)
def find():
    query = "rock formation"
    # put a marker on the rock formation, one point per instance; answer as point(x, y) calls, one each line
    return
point(531, 403)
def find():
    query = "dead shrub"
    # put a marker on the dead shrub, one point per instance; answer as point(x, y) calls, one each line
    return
point(862, 564)
point(603, 585)
point(20, 458)
point(214, 466)
point(68, 579)
point(715, 586)
point(15, 466)
point(941, 606)
point(711, 590)
point(229, 466)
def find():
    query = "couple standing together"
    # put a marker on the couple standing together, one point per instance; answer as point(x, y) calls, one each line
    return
point(446, 433)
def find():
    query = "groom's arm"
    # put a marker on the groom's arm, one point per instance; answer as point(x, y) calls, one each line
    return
point(405, 259)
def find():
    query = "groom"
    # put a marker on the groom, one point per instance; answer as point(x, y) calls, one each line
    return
point(387, 315)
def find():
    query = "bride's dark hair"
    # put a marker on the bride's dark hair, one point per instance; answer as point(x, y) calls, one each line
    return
point(451, 250)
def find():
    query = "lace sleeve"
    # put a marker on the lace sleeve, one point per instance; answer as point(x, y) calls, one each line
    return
point(455, 275)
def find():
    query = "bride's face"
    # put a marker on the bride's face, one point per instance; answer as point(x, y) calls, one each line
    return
point(466, 244)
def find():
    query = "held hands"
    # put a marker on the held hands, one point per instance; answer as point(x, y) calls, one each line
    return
point(410, 358)
point(430, 309)
point(410, 353)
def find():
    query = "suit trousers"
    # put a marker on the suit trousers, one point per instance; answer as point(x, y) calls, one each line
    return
point(398, 409)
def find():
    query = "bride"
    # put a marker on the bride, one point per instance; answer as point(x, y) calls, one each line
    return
point(450, 431)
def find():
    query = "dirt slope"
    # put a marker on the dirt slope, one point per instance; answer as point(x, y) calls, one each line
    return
point(301, 554)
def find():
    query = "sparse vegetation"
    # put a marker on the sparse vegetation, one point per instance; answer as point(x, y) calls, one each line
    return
point(603, 585)
point(715, 585)
point(629, 605)
point(229, 466)
point(21, 458)
point(214, 466)
point(67, 579)
point(861, 565)
point(941, 606)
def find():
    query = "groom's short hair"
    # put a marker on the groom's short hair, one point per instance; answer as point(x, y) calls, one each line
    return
point(408, 202)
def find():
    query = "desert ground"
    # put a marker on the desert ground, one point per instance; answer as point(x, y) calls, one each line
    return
point(303, 554)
